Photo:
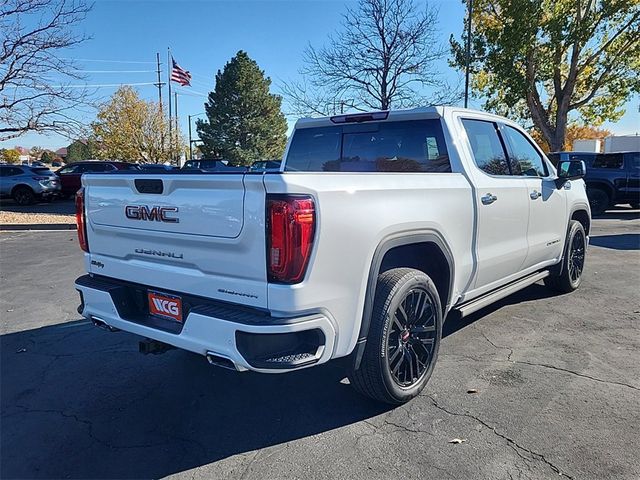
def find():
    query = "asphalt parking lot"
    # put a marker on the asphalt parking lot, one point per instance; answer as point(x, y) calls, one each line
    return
point(557, 381)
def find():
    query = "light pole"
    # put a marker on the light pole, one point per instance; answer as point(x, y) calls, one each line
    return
point(468, 69)
point(191, 141)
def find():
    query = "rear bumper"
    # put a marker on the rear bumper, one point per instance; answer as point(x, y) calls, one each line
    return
point(47, 191)
point(250, 339)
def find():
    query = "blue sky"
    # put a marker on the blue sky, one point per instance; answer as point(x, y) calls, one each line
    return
point(204, 35)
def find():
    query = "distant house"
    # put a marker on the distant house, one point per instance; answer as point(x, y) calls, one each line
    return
point(24, 154)
point(62, 153)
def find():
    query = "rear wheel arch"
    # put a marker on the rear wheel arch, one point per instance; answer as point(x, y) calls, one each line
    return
point(21, 185)
point(426, 251)
point(604, 186)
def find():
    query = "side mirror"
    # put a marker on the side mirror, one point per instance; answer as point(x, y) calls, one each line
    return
point(570, 170)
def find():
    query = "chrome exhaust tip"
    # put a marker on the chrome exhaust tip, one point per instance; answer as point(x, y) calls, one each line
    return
point(220, 361)
point(98, 322)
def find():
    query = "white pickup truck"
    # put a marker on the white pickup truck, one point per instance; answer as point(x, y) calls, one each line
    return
point(376, 227)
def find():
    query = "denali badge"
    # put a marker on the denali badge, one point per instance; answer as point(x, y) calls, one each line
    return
point(159, 253)
point(153, 214)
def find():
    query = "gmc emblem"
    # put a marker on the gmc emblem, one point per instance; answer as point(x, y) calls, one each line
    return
point(153, 214)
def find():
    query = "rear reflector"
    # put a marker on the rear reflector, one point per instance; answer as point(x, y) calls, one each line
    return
point(81, 220)
point(290, 232)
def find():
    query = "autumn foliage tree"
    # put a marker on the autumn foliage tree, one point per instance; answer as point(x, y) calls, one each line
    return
point(9, 155)
point(551, 61)
point(574, 132)
point(130, 128)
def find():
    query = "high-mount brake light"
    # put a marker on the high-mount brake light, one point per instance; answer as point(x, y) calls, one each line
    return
point(81, 220)
point(290, 231)
point(360, 117)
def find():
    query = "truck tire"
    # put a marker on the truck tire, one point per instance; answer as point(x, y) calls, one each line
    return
point(404, 337)
point(599, 200)
point(575, 249)
point(23, 195)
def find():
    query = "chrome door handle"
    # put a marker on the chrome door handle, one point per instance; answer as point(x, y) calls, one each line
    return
point(535, 194)
point(488, 199)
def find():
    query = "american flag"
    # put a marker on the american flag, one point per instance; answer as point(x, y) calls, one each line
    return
point(179, 75)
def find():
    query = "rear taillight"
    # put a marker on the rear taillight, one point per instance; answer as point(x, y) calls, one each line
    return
point(290, 231)
point(81, 220)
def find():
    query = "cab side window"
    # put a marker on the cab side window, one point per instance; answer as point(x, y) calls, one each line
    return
point(69, 169)
point(524, 158)
point(486, 146)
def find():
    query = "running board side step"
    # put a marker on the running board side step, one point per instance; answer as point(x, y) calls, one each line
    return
point(491, 297)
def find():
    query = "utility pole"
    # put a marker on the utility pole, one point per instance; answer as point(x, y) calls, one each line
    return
point(190, 144)
point(468, 69)
point(160, 85)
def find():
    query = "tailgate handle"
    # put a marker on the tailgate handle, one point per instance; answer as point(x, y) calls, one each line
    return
point(144, 185)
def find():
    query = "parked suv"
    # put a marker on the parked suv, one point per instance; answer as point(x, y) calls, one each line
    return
point(26, 184)
point(376, 227)
point(612, 178)
point(70, 175)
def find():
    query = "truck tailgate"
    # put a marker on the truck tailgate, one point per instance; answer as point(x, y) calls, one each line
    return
point(201, 233)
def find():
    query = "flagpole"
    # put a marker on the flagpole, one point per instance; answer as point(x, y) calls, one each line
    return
point(169, 69)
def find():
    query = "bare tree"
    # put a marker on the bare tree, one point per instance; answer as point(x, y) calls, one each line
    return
point(35, 93)
point(384, 55)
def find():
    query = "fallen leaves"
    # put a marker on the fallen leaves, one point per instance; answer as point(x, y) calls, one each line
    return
point(457, 440)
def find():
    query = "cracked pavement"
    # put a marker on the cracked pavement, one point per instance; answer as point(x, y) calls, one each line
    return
point(557, 380)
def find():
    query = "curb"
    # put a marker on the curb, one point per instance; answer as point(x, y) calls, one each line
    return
point(36, 226)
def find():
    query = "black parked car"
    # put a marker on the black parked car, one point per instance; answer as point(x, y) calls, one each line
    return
point(612, 178)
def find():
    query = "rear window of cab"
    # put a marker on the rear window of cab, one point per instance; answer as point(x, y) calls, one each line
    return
point(403, 146)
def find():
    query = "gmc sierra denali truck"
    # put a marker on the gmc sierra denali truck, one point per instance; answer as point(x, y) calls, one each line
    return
point(375, 228)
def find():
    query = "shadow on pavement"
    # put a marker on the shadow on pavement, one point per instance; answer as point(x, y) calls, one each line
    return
point(534, 292)
point(622, 241)
point(619, 213)
point(78, 402)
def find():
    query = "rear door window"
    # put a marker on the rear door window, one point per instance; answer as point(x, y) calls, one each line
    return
point(632, 160)
point(608, 160)
point(11, 171)
point(486, 146)
point(407, 146)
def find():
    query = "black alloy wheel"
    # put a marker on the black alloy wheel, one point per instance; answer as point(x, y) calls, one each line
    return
point(403, 339)
point(576, 256)
point(412, 338)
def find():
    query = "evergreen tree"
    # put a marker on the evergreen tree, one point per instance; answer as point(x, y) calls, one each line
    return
point(245, 122)
point(81, 150)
